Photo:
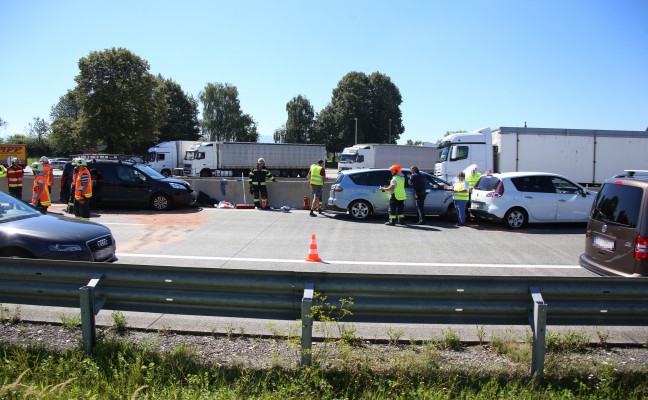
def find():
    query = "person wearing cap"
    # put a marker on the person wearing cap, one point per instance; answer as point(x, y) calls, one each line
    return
point(40, 191)
point(49, 172)
point(15, 178)
point(82, 190)
point(316, 177)
point(258, 176)
point(398, 196)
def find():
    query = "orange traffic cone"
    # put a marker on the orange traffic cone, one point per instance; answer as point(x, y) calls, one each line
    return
point(312, 251)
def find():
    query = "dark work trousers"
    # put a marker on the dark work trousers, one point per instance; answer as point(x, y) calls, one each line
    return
point(259, 189)
point(16, 192)
point(82, 210)
point(420, 203)
point(396, 209)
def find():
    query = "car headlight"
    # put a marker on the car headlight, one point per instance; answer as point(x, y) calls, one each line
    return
point(178, 186)
point(64, 247)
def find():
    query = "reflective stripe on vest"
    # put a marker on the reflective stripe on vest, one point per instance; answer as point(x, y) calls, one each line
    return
point(15, 176)
point(316, 177)
point(45, 198)
point(460, 195)
point(49, 173)
point(78, 188)
point(399, 187)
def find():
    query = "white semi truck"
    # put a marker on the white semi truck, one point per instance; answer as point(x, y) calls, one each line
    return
point(164, 157)
point(584, 155)
point(381, 155)
point(236, 158)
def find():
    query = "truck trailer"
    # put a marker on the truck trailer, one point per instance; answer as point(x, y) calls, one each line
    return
point(165, 157)
point(236, 158)
point(10, 151)
point(381, 155)
point(585, 155)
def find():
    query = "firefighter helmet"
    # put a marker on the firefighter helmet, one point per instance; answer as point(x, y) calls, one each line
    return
point(44, 160)
point(36, 166)
point(81, 162)
point(395, 169)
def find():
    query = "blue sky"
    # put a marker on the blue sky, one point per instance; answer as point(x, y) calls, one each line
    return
point(459, 65)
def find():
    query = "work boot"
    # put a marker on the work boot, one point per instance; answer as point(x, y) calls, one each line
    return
point(390, 222)
point(320, 211)
point(420, 222)
point(312, 214)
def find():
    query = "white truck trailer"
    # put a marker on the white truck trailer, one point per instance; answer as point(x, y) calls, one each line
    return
point(236, 158)
point(584, 155)
point(164, 157)
point(380, 155)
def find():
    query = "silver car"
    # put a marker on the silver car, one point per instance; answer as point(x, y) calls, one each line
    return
point(358, 193)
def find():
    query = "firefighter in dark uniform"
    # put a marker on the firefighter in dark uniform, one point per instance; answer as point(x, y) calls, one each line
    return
point(258, 177)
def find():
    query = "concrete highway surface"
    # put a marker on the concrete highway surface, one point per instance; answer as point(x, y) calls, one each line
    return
point(276, 240)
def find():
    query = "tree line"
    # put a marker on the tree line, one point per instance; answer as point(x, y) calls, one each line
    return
point(118, 106)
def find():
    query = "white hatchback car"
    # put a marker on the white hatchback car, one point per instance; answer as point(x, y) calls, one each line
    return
point(517, 198)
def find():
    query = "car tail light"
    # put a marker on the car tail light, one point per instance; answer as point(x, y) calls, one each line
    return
point(641, 248)
point(337, 189)
point(498, 192)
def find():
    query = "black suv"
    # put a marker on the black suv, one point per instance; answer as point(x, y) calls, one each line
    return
point(128, 184)
point(616, 241)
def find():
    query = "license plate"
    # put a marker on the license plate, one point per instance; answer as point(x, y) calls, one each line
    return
point(477, 205)
point(603, 243)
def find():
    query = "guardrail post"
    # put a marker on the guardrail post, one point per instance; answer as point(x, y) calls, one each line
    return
point(88, 312)
point(307, 324)
point(539, 326)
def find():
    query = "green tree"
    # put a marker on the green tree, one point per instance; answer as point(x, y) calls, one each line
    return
point(373, 100)
point(301, 119)
point(414, 143)
point(38, 132)
point(279, 134)
point(223, 119)
point(122, 105)
point(181, 121)
point(65, 137)
point(2, 122)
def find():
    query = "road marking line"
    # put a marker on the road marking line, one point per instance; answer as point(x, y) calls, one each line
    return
point(412, 264)
point(124, 223)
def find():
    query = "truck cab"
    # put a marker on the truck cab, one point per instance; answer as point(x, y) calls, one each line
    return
point(460, 150)
point(352, 157)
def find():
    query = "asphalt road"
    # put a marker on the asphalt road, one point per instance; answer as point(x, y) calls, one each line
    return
point(275, 240)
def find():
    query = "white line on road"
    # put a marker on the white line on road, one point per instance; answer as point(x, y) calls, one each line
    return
point(412, 264)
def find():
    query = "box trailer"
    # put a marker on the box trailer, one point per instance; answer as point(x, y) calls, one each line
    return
point(380, 155)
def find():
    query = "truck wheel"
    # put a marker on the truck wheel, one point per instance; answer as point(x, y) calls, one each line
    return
point(166, 173)
point(205, 173)
point(285, 173)
point(160, 202)
point(303, 173)
point(360, 210)
point(515, 218)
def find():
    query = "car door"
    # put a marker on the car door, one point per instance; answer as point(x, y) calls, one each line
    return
point(539, 197)
point(572, 204)
point(378, 199)
point(410, 201)
point(438, 198)
point(132, 188)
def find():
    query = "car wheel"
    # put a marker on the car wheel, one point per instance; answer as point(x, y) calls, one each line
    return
point(360, 210)
point(451, 214)
point(160, 202)
point(515, 218)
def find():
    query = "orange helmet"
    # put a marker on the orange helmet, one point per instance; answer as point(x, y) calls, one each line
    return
point(395, 169)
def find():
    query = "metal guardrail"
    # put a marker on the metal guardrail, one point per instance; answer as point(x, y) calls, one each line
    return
point(286, 295)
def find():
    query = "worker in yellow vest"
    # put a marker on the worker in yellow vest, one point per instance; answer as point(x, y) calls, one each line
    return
point(3, 171)
point(316, 177)
point(472, 181)
point(461, 190)
point(398, 196)
point(40, 191)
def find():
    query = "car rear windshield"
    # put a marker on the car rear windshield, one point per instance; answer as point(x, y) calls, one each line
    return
point(487, 183)
point(618, 204)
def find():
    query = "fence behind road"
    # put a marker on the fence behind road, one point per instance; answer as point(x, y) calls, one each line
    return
point(288, 295)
